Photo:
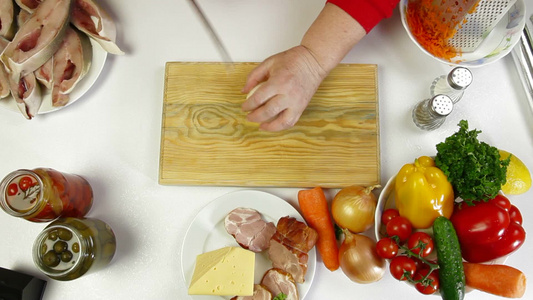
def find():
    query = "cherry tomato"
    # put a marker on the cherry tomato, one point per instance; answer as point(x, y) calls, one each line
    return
point(402, 265)
point(25, 183)
point(389, 214)
point(515, 215)
point(12, 189)
point(430, 285)
point(387, 248)
point(420, 243)
point(401, 227)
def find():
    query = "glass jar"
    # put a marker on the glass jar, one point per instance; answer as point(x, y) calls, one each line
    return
point(44, 194)
point(70, 247)
point(452, 85)
point(430, 114)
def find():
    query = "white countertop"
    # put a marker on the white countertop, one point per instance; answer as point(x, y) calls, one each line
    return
point(111, 136)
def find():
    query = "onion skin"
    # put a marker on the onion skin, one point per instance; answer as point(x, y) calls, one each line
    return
point(359, 260)
point(354, 207)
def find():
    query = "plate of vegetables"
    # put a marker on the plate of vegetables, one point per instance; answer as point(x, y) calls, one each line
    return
point(440, 231)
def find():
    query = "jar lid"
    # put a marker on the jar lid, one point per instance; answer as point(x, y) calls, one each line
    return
point(441, 105)
point(460, 78)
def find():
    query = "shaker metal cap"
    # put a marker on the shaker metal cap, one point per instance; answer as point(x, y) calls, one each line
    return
point(441, 105)
point(460, 78)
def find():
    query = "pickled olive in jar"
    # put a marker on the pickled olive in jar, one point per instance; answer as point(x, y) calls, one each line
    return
point(60, 247)
point(66, 256)
point(51, 259)
point(44, 194)
point(91, 245)
point(64, 234)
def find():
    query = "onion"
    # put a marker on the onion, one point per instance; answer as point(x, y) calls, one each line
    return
point(353, 208)
point(359, 259)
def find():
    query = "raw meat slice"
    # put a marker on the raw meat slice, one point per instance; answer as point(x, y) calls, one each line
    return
point(22, 17)
point(38, 39)
point(93, 20)
point(44, 73)
point(71, 62)
point(260, 293)
point(249, 229)
point(289, 246)
point(278, 281)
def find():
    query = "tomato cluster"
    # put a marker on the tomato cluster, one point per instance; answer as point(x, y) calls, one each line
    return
point(408, 251)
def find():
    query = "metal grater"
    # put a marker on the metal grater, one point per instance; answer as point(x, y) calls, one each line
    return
point(479, 24)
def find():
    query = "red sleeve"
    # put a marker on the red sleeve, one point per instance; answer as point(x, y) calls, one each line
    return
point(367, 12)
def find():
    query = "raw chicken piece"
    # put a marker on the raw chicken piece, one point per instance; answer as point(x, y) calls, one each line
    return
point(249, 229)
point(7, 19)
point(38, 39)
point(71, 63)
point(278, 281)
point(93, 20)
point(260, 293)
point(289, 246)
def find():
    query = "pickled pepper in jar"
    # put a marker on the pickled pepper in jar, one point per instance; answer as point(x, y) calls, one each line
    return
point(44, 194)
point(70, 247)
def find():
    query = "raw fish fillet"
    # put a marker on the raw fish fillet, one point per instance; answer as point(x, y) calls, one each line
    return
point(4, 78)
point(38, 39)
point(7, 19)
point(92, 19)
point(22, 17)
point(44, 74)
point(71, 63)
point(27, 94)
point(28, 5)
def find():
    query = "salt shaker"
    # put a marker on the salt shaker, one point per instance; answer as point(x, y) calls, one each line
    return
point(430, 114)
point(453, 85)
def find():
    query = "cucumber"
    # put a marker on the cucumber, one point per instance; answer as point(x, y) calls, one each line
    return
point(451, 272)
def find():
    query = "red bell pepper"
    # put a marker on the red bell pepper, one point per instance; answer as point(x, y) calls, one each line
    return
point(488, 230)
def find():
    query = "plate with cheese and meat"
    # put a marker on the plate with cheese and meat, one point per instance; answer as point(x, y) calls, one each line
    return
point(243, 233)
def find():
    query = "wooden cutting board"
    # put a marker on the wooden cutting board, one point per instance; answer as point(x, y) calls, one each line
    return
point(206, 140)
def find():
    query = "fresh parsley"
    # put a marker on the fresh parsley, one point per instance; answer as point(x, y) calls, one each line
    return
point(280, 296)
point(473, 168)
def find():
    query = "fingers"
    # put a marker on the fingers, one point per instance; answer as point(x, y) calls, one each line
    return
point(269, 110)
point(287, 119)
point(256, 76)
point(257, 97)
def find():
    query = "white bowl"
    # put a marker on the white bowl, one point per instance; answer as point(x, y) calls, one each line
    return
point(498, 43)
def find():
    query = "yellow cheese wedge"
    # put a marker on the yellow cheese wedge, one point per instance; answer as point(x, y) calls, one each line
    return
point(227, 271)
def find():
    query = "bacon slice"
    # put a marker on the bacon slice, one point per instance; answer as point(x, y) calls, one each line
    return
point(93, 20)
point(278, 281)
point(70, 64)
point(37, 39)
point(7, 19)
point(289, 246)
point(260, 293)
point(249, 229)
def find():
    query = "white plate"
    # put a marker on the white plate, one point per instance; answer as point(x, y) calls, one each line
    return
point(207, 233)
point(97, 64)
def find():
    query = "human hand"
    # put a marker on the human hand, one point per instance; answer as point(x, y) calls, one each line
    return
point(288, 82)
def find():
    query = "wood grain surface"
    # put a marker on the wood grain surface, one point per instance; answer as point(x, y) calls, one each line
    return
point(206, 140)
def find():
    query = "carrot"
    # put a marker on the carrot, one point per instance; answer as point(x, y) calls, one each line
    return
point(499, 280)
point(315, 210)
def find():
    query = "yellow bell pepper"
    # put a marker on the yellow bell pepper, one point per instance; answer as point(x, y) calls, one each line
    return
point(423, 193)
